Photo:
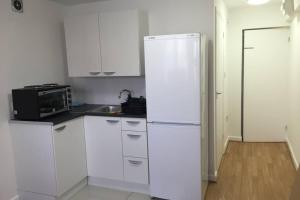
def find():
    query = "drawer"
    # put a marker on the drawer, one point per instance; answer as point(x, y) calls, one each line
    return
point(135, 144)
point(133, 124)
point(136, 170)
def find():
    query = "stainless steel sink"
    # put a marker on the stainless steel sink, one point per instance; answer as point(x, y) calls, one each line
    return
point(109, 109)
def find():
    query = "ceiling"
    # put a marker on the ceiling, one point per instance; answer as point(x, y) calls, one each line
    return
point(243, 3)
point(74, 2)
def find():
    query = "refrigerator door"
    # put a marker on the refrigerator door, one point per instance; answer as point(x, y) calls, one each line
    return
point(175, 161)
point(173, 78)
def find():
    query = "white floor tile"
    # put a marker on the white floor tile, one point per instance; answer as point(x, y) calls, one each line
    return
point(97, 193)
point(136, 196)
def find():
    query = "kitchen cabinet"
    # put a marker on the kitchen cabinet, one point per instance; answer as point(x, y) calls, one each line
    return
point(121, 38)
point(83, 45)
point(106, 44)
point(104, 147)
point(50, 160)
point(117, 149)
point(135, 150)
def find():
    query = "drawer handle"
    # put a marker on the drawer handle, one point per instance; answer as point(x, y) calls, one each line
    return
point(133, 136)
point(133, 122)
point(112, 121)
point(135, 162)
point(61, 128)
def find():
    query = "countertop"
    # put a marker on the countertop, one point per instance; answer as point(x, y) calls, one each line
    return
point(78, 111)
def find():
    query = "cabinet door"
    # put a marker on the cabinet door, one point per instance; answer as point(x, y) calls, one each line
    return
point(104, 147)
point(120, 43)
point(83, 45)
point(70, 154)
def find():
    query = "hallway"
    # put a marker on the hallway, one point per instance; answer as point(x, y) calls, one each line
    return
point(254, 171)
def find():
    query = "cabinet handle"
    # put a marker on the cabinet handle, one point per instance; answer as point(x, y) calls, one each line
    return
point(133, 122)
point(135, 162)
point(112, 121)
point(95, 73)
point(109, 73)
point(61, 128)
point(133, 136)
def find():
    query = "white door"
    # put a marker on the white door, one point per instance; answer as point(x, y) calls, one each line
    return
point(220, 140)
point(70, 154)
point(104, 147)
point(173, 78)
point(83, 45)
point(266, 84)
point(175, 161)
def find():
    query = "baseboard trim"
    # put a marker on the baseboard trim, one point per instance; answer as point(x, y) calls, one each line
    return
point(213, 177)
point(119, 185)
point(295, 161)
point(15, 197)
point(235, 138)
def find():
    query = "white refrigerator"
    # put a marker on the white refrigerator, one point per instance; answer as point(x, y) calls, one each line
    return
point(177, 115)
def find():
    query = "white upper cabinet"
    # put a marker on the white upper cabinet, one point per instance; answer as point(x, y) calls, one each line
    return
point(83, 45)
point(119, 37)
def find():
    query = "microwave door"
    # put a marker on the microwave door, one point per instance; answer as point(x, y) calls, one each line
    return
point(52, 102)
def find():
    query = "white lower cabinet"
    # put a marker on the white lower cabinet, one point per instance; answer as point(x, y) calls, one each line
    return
point(70, 155)
point(104, 147)
point(136, 170)
point(50, 160)
point(135, 144)
point(117, 149)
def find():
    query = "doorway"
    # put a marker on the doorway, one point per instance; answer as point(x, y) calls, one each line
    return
point(265, 84)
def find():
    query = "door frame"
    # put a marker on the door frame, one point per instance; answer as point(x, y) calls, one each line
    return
point(243, 71)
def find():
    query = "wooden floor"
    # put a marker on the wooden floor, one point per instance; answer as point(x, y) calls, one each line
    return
point(254, 171)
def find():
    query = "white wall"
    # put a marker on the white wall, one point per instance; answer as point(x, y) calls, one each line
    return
point(31, 52)
point(294, 111)
point(239, 19)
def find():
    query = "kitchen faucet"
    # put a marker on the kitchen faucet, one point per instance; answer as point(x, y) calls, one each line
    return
point(130, 93)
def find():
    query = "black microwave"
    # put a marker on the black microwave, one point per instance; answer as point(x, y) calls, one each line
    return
point(40, 101)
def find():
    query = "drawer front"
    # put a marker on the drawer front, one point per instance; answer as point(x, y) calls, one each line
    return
point(136, 170)
point(133, 124)
point(135, 144)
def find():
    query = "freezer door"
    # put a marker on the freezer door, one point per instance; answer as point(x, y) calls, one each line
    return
point(175, 161)
point(173, 79)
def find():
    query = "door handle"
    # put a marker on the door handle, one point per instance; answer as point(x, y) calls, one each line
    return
point(249, 48)
point(60, 128)
point(218, 93)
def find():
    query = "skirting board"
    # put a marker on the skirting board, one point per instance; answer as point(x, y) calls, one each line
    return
point(295, 161)
point(15, 198)
point(213, 177)
point(119, 185)
point(232, 138)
